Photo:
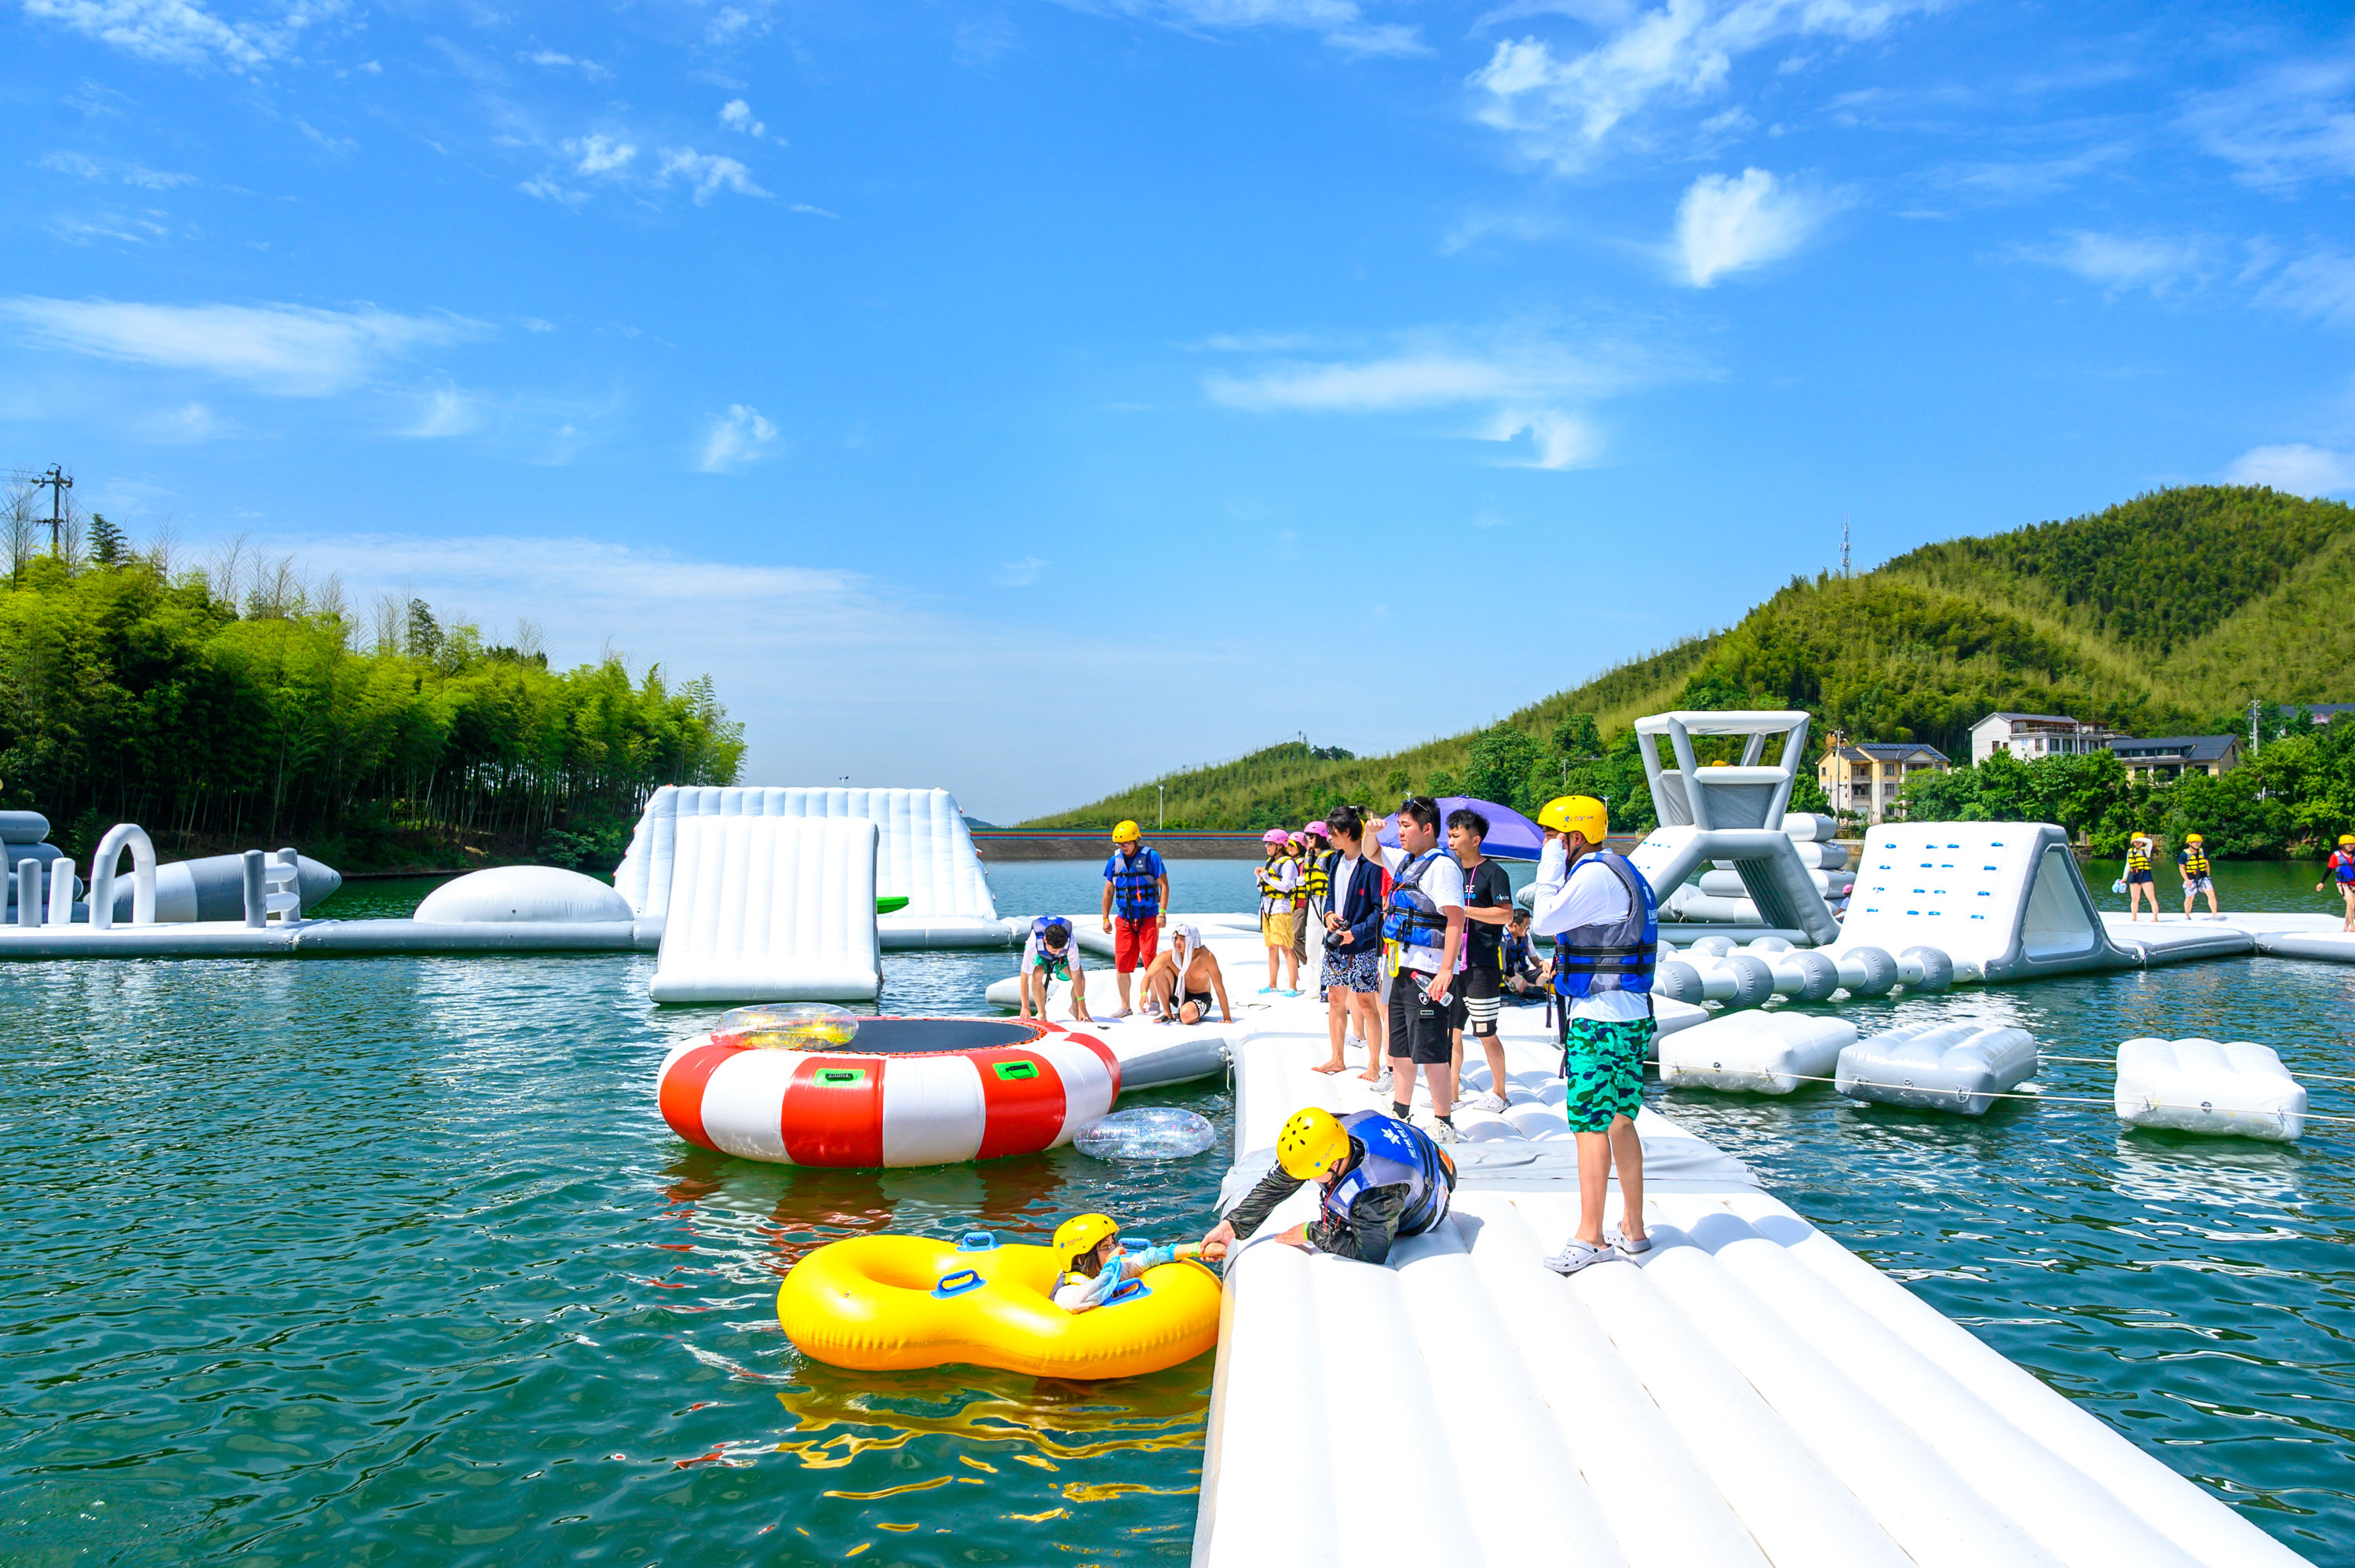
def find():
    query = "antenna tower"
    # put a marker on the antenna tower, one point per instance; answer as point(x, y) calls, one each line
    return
point(1844, 569)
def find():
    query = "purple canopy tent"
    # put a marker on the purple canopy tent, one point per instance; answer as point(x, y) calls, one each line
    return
point(1511, 836)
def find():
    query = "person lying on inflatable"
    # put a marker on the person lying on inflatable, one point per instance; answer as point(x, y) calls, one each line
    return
point(1095, 1264)
point(1383, 1178)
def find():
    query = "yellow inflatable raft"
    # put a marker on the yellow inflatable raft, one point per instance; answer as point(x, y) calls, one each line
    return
point(895, 1302)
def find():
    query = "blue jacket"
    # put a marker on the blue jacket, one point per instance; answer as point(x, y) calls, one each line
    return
point(1361, 909)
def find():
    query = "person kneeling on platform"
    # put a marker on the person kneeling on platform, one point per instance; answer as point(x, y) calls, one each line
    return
point(1182, 981)
point(1051, 955)
point(1383, 1178)
point(1527, 978)
point(1095, 1264)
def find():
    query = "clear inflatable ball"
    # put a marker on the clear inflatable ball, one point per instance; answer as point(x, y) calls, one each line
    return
point(1148, 1132)
point(796, 1026)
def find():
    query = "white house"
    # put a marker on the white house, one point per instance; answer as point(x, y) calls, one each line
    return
point(2030, 735)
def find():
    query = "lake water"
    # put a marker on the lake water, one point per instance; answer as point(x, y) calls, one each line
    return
point(367, 1260)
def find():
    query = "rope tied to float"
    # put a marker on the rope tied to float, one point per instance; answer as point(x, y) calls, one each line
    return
point(2026, 1094)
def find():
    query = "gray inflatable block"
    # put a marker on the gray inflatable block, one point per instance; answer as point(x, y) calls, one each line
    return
point(213, 888)
point(328, 937)
point(1938, 1066)
point(1179, 1061)
point(23, 828)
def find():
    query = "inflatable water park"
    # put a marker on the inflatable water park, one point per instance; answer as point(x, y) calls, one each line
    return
point(1774, 1398)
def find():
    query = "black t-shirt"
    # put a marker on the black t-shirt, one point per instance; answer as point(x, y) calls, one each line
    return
point(1486, 886)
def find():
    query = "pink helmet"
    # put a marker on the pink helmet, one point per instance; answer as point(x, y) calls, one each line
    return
point(1296, 838)
point(1276, 836)
point(1319, 829)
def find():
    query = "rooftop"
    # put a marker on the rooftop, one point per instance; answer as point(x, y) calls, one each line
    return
point(1884, 750)
point(2191, 748)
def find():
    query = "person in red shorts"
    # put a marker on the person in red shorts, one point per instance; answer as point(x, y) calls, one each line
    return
point(1135, 903)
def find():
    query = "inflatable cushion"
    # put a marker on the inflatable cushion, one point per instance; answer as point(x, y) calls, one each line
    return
point(1938, 1066)
point(532, 894)
point(1763, 1052)
point(2239, 1090)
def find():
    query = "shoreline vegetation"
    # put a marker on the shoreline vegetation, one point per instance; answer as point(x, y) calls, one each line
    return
point(2168, 614)
point(233, 704)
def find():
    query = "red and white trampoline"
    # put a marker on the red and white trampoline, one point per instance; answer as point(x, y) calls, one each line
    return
point(905, 1091)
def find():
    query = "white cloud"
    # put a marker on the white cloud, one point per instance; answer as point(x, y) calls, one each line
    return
point(553, 61)
point(446, 412)
point(1340, 23)
point(2322, 285)
point(707, 172)
point(133, 228)
point(737, 115)
point(102, 170)
point(1726, 223)
point(546, 189)
point(2290, 124)
point(293, 351)
point(599, 154)
point(187, 423)
point(739, 437)
point(1563, 107)
point(2296, 469)
point(183, 32)
point(1557, 441)
point(1022, 573)
point(2119, 262)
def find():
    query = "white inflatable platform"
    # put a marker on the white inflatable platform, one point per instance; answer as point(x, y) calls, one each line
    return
point(764, 908)
point(2237, 1089)
point(1938, 1066)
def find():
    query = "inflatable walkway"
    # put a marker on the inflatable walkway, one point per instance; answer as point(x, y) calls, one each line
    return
point(925, 855)
point(769, 908)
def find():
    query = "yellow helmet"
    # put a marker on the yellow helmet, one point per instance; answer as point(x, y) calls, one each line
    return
point(1312, 1142)
point(2193, 838)
point(1581, 814)
point(2347, 838)
point(1125, 834)
point(1082, 1232)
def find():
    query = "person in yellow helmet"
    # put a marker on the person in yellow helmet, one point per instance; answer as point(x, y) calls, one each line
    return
point(2140, 883)
point(2342, 869)
point(1135, 905)
point(1604, 921)
point(2192, 864)
point(1095, 1263)
point(1378, 1179)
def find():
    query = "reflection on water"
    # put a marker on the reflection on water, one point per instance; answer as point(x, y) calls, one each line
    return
point(394, 1258)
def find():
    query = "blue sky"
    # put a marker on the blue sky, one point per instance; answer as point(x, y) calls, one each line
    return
point(1029, 397)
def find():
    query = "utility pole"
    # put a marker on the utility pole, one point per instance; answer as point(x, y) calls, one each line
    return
point(58, 482)
point(1844, 569)
point(2254, 738)
point(1161, 812)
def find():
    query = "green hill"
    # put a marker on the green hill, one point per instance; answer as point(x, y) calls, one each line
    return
point(2166, 615)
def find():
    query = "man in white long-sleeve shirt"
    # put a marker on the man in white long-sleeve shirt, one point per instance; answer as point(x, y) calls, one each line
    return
point(1601, 914)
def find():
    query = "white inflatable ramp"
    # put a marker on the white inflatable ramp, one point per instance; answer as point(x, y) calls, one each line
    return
point(1749, 1394)
point(925, 855)
point(767, 908)
point(2005, 901)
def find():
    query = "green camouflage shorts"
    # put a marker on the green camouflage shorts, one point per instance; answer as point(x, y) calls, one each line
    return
point(1602, 1071)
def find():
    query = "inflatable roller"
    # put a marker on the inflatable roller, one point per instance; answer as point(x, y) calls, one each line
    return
point(890, 1303)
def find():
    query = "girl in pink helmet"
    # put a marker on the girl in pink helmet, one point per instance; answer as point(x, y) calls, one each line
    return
point(1279, 880)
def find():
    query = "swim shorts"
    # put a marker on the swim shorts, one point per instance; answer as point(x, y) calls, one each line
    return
point(2199, 885)
point(1202, 1000)
point(1421, 1029)
point(1603, 1070)
point(1054, 968)
point(1349, 968)
point(1275, 929)
point(2135, 876)
point(1134, 943)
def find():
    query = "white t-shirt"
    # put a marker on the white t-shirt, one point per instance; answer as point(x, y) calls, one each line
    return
point(1589, 896)
point(1443, 883)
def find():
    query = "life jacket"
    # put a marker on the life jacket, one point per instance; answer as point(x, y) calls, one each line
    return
point(1391, 1153)
point(1518, 954)
point(1414, 920)
point(2195, 861)
point(2137, 860)
point(1271, 884)
point(1046, 925)
point(1136, 884)
point(1318, 883)
point(1590, 960)
point(2343, 864)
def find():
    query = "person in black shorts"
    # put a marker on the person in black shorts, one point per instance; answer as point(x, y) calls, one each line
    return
point(1422, 935)
point(1487, 905)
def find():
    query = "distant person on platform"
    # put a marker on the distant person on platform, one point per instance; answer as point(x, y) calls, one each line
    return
point(1353, 944)
point(1184, 981)
point(2342, 871)
point(1487, 905)
point(1278, 879)
point(2140, 883)
point(1605, 925)
point(1317, 886)
point(1527, 976)
point(1052, 953)
point(1135, 904)
point(1423, 937)
point(2192, 864)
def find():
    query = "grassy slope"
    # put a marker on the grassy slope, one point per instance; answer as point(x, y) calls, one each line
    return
point(2162, 615)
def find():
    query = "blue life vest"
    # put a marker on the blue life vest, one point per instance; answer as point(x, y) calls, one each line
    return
point(1590, 960)
point(1520, 954)
point(2343, 864)
point(1045, 925)
point(1414, 919)
point(1136, 884)
point(1392, 1153)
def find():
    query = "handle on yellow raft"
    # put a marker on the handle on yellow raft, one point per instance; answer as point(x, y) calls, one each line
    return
point(958, 1283)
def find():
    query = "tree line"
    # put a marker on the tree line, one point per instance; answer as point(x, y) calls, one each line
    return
point(236, 705)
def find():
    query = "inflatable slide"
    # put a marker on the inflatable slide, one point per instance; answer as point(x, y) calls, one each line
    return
point(768, 909)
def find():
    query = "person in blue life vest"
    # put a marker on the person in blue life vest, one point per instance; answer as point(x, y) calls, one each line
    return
point(1423, 944)
point(2192, 864)
point(1052, 953)
point(1527, 976)
point(1135, 904)
point(1606, 925)
point(2343, 870)
point(1378, 1179)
